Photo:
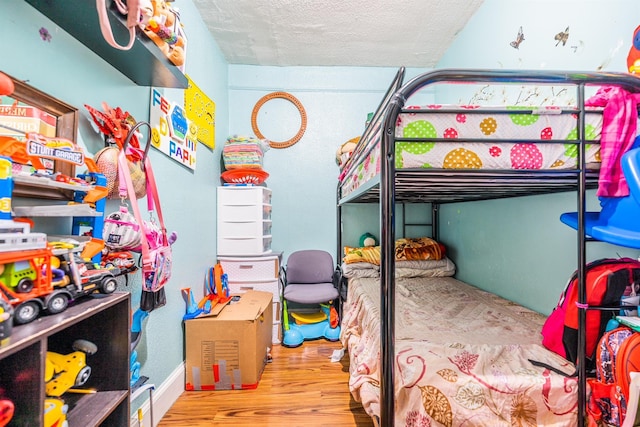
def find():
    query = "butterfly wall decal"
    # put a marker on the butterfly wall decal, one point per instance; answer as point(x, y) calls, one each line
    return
point(562, 37)
point(519, 39)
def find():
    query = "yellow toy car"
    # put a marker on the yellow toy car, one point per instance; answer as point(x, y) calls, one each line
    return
point(65, 371)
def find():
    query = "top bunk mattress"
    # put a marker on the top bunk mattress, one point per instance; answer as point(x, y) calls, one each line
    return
point(473, 137)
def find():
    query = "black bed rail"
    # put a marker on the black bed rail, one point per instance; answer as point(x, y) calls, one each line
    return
point(361, 151)
point(391, 183)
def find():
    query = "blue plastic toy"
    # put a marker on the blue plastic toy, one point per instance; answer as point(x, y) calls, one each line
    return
point(617, 222)
point(193, 309)
point(297, 333)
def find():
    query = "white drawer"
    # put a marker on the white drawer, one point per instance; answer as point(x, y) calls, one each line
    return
point(244, 195)
point(243, 213)
point(244, 229)
point(251, 269)
point(239, 246)
point(239, 287)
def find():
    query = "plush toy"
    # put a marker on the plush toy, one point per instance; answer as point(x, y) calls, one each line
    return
point(165, 31)
point(345, 150)
point(368, 239)
point(633, 58)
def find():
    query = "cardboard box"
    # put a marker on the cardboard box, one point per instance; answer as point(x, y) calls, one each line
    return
point(26, 119)
point(228, 351)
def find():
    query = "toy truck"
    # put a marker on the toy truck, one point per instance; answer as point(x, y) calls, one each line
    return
point(42, 292)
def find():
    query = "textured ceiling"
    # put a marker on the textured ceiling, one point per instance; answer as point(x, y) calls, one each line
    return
point(412, 33)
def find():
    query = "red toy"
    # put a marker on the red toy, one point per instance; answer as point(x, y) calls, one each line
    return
point(6, 411)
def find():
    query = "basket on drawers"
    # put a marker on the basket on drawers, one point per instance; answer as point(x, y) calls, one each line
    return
point(243, 153)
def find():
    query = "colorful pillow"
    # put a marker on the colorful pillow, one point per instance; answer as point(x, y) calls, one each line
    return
point(407, 249)
point(370, 254)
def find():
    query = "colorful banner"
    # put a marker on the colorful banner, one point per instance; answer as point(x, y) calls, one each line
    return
point(172, 133)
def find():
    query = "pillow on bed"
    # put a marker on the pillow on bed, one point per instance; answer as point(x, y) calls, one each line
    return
point(422, 248)
point(361, 274)
point(361, 266)
point(360, 269)
point(404, 269)
point(367, 254)
point(428, 268)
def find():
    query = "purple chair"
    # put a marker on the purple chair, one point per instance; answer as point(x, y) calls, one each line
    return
point(308, 279)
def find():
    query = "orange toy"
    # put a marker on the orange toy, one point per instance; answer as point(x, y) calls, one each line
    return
point(633, 58)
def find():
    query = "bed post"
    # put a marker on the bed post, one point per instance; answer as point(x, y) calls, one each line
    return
point(387, 264)
point(582, 261)
point(435, 223)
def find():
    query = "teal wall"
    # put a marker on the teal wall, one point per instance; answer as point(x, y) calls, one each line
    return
point(518, 248)
point(67, 70)
point(304, 176)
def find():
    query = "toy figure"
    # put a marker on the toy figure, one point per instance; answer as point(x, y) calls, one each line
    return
point(165, 31)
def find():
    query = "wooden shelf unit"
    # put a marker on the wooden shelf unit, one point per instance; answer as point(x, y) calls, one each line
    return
point(101, 319)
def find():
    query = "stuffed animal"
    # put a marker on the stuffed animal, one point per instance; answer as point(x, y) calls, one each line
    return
point(345, 150)
point(368, 239)
point(165, 31)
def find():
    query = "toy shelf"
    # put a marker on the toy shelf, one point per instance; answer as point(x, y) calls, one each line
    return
point(56, 210)
point(101, 319)
point(144, 63)
point(40, 182)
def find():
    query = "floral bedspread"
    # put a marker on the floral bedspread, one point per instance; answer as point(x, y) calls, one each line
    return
point(461, 357)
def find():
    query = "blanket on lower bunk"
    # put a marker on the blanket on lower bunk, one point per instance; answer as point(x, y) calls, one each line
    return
point(462, 357)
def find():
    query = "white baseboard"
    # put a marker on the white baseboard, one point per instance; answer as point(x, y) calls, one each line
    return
point(163, 398)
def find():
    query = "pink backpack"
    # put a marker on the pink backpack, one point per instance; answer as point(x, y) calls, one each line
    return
point(155, 245)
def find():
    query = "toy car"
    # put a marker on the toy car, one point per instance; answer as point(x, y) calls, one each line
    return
point(19, 275)
point(91, 279)
point(65, 371)
point(123, 260)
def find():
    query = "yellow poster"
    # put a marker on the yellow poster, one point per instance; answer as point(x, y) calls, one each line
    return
point(201, 110)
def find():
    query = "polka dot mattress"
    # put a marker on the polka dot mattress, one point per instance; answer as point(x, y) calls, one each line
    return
point(469, 122)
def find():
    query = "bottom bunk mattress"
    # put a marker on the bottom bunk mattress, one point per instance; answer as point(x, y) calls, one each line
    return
point(462, 357)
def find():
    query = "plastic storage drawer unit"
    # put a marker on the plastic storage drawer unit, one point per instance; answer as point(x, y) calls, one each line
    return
point(244, 220)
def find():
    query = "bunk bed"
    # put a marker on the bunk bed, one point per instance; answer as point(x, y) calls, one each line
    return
point(381, 303)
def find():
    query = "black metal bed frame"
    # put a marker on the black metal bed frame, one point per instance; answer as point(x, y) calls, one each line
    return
point(438, 186)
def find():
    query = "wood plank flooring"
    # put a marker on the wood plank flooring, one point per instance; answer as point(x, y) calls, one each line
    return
point(301, 387)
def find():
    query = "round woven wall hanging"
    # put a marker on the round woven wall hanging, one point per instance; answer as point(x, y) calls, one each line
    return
point(294, 101)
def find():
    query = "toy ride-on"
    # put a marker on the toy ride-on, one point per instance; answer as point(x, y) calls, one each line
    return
point(63, 372)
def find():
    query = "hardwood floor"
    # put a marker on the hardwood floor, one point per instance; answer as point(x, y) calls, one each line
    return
point(301, 387)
